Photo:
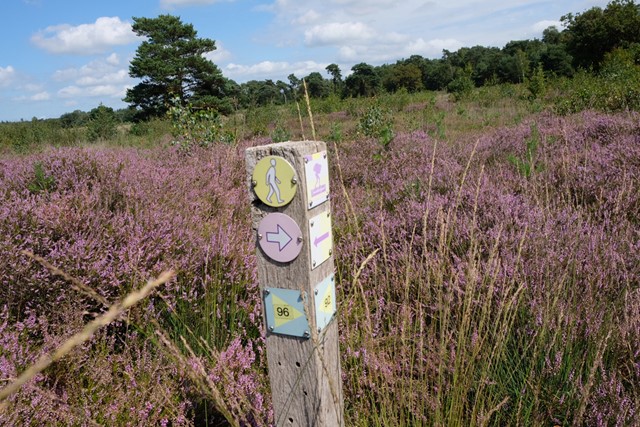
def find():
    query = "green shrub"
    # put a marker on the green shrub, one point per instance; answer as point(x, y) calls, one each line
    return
point(615, 88)
point(102, 124)
point(280, 134)
point(377, 123)
point(461, 87)
point(527, 164)
point(191, 127)
point(41, 181)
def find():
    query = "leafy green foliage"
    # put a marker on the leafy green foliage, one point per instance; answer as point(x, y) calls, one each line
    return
point(377, 123)
point(195, 128)
point(171, 64)
point(527, 164)
point(536, 84)
point(590, 35)
point(615, 88)
point(280, 134)
point(363, 81)
point(41, 181)
point(102, 124)
point(460, 87)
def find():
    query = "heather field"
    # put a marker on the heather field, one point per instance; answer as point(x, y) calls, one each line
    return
point(487, 256)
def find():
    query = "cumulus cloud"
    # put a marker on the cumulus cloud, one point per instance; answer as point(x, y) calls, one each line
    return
point(309, 17)
point(85, 39)
point(218, 55)
point(271, 70)
point(100, 71)
point(377, 31)
point(7, 75)
point(540, 26)
point(111, 91)
point(104, 77)
point(40, 96)
point(337, 33)
point(169, 4)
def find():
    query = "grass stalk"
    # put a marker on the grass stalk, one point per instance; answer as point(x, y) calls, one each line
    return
point(112, 314)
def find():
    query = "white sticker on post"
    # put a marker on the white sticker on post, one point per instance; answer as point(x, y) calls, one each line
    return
point(325, 302)
point(316, 169)
point(320, 238)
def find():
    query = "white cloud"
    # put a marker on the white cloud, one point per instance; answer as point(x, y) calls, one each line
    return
point(540, 26)
point(113, 59)
point(169, 4)
point(376, 31)
point(101, 71)
point(308, 17)
point(100, 78)
point(33, 87)
point(111, 91)
point(41, 96)
point(337, 33)
point(85, 39)
point(271, 70)
point(218, 55)
point(7, 75)
point(120, 76)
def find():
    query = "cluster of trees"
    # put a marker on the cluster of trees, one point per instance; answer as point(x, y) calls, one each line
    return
point(173, 69)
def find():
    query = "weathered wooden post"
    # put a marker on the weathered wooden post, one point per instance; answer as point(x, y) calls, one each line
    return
point(289, 191)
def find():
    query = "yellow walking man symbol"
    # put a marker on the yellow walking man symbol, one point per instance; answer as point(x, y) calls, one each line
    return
point(272, 183)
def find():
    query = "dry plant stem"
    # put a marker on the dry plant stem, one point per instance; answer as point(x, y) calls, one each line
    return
point(352, 218)
point(306, 98)
point(587, 389)
point(300, 118)
point(356, 280)
point(198, 374)
point(114, 311)
point(75, 283)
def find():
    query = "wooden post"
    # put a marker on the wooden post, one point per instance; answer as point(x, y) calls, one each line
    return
point(291, 216)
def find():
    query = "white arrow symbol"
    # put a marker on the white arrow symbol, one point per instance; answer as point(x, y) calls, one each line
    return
point(280, 237)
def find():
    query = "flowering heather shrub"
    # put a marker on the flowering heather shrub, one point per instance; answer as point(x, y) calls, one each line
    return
point(508, 298)
point(469, 293)
point(115, 218)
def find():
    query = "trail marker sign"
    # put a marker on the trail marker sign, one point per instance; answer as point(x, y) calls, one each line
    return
point(284, 311)
point(288, 187)
point(316, 168)
point(325, 302)
point(280, 237)
point(274, 181)
point(320, 238)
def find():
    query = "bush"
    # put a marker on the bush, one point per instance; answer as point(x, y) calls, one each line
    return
point(461, 87)
point(194, 128)
point(615, 88)
point(103, 124)
point(377, 123)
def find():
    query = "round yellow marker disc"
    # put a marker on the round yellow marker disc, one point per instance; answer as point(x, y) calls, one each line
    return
point(274, 181)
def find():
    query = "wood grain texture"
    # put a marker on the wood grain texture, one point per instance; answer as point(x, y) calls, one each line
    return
point(304, 372)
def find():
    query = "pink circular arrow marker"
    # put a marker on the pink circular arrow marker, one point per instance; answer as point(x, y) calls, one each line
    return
point(280, 237)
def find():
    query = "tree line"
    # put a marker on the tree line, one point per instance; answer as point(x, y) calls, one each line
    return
point(173, 70)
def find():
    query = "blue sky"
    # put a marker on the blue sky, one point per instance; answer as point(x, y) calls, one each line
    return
point(61, 55)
